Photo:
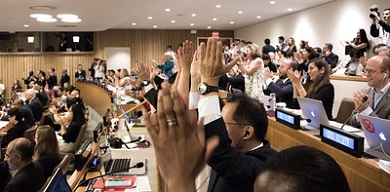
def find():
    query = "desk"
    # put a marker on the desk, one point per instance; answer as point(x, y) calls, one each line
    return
point(362, 174)
point(148, 153)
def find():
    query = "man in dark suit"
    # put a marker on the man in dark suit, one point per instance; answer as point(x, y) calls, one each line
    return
point(52, 78)
point(329, 56)
point(378, 104)
point(267, 47)
point(80, 73)
point(283, 87)
point(30, 175)
point(34, 104)
point(15, 116)
point(64, 77)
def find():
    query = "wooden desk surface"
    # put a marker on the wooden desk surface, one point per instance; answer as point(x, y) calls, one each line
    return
point(147, 153)
point(362, 174)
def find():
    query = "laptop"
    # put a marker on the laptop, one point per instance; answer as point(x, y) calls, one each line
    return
point(118, 166)
point(314, 112)
point(377, 133)
point(57, 183)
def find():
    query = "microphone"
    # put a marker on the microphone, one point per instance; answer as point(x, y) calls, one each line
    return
point(365, 98)
point(136, 166)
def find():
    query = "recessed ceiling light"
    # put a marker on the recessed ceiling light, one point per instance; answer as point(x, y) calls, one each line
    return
point(40, 15)
point(46, 20)
point(67, 16)
point(289, 9)
point(192, 24)
point(173, 21)
point(240, 12)
point(231, 22)
point(193, 15)
point(208, 27)
point(167, 10)
point(258, 17)
point(150, 17)
point(155, 26)
point(214, 19)
point(218, 6)
point(71, 20)
point(26, 25)
point(133, 24)
point(272, 2)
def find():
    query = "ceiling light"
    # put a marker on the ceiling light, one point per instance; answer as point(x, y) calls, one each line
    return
point(240, 12)
point(30, 39)
point(289, 9)
point(192, 24)
point(46, 19)
point(272, 2)
point(133, 24)
point(231, 22)
point(167, 10)
point(26, 25)
point(39, 15)
point(76, 39)
point(208, 27)
point(43, 8)
point(155, 26)
point(61, 16)
point(150, 17)
point(173, 21)
point(258, 17)
point(71, 20)
point(214, 19)
point(193, 15)
point(218, 6)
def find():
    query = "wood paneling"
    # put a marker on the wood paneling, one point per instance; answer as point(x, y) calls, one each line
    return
point(145, 45)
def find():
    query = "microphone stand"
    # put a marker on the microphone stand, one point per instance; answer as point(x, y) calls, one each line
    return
point(354, 112)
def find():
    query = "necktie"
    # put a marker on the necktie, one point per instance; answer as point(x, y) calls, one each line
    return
point(281, 84)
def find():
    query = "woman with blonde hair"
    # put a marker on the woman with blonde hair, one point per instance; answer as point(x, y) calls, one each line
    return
point(252, 66)
point(46, 149)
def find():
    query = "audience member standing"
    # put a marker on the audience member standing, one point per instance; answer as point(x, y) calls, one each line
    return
point(80, 73)
point(168, 64)
point(34, 104)
point(252, 67)
point(29, 176)
point(2, 89)
point(383, 31)
point(361, 42)
point(31, 77)
point(267, 47)
point(64, 77)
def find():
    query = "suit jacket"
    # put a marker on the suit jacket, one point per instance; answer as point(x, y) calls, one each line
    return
point(233, 170)
point(283, 93)
point(29, 178)
point(382, 110)
point(15, 132)
point(64, 78)
point(332, 59)
point(36, 108)
point(80, 74)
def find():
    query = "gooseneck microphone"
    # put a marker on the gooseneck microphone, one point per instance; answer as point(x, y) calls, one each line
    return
point(365, 98)
point(136, 166)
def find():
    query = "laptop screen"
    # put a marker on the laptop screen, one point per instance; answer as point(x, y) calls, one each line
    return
point(314, 112)
point(58, 183)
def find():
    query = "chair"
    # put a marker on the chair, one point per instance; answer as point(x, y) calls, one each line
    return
point(345, 110)
point(30, 133)
point(63, 165)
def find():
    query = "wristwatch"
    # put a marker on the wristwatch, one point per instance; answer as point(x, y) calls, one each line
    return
point(204, 88)
point(145, 82)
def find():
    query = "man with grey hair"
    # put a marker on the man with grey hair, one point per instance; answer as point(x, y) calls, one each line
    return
point(34, 104)
point(29, 174)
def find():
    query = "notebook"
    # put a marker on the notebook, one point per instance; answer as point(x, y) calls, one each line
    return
point(314, 112)
point(112, 165)
point(377, 133)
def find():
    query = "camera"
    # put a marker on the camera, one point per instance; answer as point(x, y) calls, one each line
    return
point(374, 11)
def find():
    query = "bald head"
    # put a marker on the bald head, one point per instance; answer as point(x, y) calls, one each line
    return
point(29, 94)
point(23, 147)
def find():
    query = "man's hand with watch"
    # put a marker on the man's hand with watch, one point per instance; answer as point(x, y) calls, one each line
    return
point(204, 88)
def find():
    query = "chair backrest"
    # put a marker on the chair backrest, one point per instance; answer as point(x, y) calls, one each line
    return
point(63, 165)
point(30, 133)
point(345, 110)
point(79, 139)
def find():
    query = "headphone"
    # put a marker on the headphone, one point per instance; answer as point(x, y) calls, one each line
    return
point(384, 76)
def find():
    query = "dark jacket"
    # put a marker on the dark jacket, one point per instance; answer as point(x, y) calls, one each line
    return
point(284, 92)
point(29, 178)
point(15, 132)
point(233, 170)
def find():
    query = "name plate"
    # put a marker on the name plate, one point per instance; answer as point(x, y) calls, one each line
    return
point(290, 119)
point(347, 142)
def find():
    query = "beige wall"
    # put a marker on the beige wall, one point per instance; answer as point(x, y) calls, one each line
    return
point(331, 22)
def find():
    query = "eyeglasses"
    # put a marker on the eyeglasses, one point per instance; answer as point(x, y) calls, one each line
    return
point(370, 71)
point(8, 155)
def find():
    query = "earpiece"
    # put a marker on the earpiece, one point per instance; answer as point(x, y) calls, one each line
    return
point(384, 76)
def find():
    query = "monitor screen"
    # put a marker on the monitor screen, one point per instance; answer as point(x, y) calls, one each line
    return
point(57, 183)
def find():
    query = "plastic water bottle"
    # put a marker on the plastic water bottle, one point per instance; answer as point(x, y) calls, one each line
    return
point(272, 102)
